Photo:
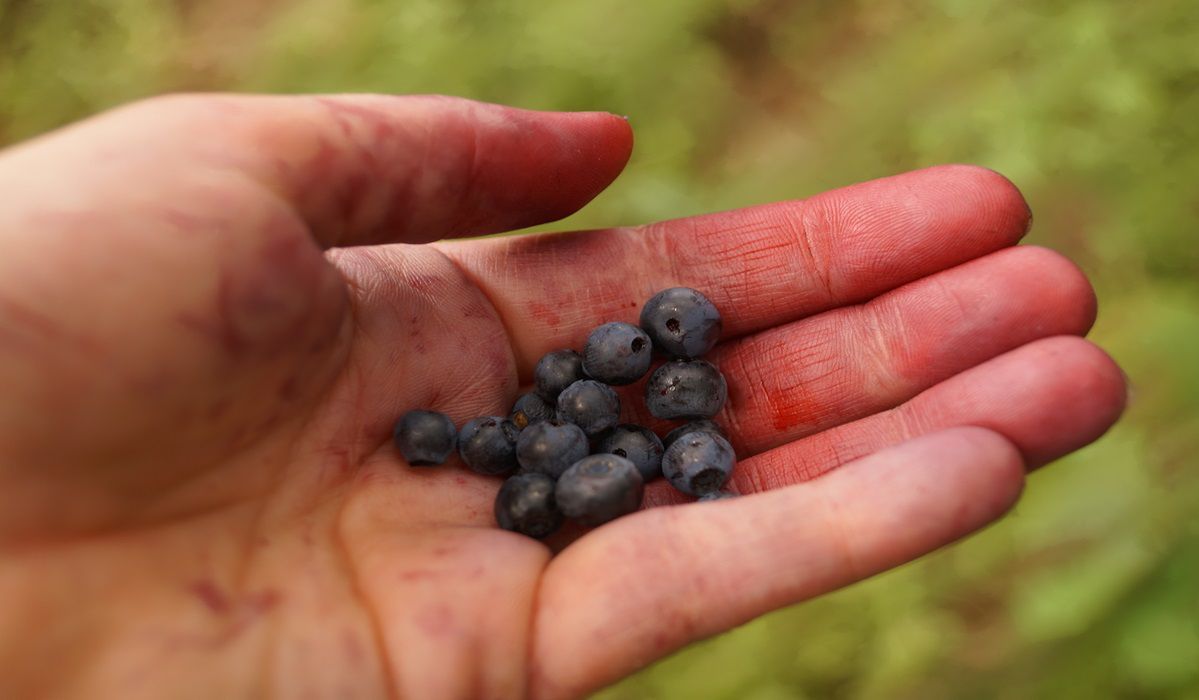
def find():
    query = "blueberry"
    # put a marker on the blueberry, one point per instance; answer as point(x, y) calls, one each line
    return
point(617, 353)
point(715, 496)
point(557, 370)
point(702, 425)
point(638, 445)
point(598, 488)
point(592, 406)
point(425, 438)
point(698, 463)
point(550, 447)
point(529, 409)
point(488, 445)
point(685, 389)
point(525, 504)
point(682, 322)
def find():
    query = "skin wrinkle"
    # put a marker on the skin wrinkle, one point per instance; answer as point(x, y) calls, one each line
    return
point(834, 528)
point(760, 257)
point(468, 184)
point(342, 552)
point(758, 249)
point(873, 347)
point(652, 559)
point(811, 223)
point(496, 316)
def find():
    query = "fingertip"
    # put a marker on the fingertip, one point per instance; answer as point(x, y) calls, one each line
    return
point(1068, 289)
point(998, 198)
point(1098, 380)
point(982, 462)
point(570, 158)
point(1053, 396)
point(608, 139)
point(994, 457)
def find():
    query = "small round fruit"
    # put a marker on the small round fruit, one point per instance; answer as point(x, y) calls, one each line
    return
point(550, 447)
point(529, 409)
point(702, 425)
point(698, 463)
point(488, 445)
point(525, 504)
point(681, 322)
point(686, 389)
point(638, 445)
point(617, 353)
point(591, 405)
point(715, 496)
point(557, 370)
point(599, 488)
point(425, 438)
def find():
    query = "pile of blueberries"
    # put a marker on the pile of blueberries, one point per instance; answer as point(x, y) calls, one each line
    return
point(570, 455)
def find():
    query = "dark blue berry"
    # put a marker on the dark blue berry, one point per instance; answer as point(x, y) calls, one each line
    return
point(638, 445)
point(425, 438)
point(617, 353)
point(529, 409)
point(702, 425)
point(525, 504)
point(557, 370)
point(715, 496)
point(698, 463)
point(592, 406)
point(488, 445)
point(682, 322)
point(598, 488)
point(686, 389)
point(550, 447)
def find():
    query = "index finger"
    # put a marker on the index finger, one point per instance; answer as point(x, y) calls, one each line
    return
point(762, 266)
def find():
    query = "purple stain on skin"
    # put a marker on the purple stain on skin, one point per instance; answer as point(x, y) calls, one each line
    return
point(354, 651)
point(289, 390)
point(31, 327)
point(261, 602)
point(418, 575)
point(476, 310)
point(218, 409)
point(220, 603)
point(266, 303)
point(436, 621)
point(212, 597)
point(545, 313)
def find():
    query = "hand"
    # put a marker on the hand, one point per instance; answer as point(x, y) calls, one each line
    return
point(212, 309)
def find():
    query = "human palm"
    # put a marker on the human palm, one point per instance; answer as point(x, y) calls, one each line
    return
point(212, 309)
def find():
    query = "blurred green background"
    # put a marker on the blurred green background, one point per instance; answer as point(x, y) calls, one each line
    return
point(1091, 588)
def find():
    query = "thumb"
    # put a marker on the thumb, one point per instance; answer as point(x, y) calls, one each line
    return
point(358, 169)
point(161, 269)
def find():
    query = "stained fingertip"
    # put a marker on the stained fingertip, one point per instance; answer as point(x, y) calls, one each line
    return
point(1072, 291)
point(1101, 391)
point(999, 197)
point(600, 145)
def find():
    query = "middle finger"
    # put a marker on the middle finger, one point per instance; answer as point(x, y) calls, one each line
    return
point(810, 375)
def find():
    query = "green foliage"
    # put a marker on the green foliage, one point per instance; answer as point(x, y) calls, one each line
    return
point(1089, 590)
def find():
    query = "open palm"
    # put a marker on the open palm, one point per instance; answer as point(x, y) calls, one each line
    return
point(213, 308)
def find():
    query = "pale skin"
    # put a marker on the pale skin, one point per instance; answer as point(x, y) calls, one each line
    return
point(206, 333)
